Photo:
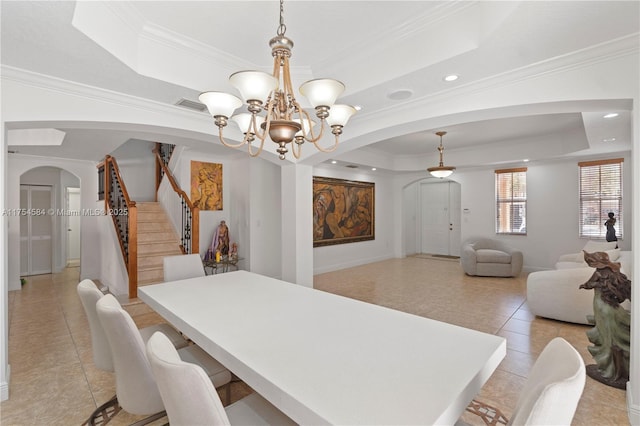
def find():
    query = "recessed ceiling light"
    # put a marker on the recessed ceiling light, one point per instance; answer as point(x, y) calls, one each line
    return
point(609, 140)
point(399, 95)
point(610, 115)
point(526, 160)
point(333, 161)
point(374, 169)
point(450, 77)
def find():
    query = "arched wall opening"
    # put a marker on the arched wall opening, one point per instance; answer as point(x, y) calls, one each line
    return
point(431, 217)
point(47, 194)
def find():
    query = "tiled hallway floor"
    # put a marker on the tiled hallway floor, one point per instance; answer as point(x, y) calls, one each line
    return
point(54, 382)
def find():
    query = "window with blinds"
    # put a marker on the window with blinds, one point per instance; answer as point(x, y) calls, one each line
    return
point(600, 193)
point(511, 201)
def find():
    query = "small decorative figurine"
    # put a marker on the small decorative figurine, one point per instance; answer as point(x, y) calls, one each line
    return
point(611, 335)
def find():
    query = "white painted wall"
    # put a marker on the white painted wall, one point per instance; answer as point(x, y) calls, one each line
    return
point(137, 166)
point(633, 385)
point(410, 220)
point(340, 256)
point(263, 212)
point(5, 370)
point(552, 210)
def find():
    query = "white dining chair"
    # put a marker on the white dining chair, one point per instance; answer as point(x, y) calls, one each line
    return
point(136, 387)
point(551, 393)
point(190, 399)
point(89, 296)
point(182, 266)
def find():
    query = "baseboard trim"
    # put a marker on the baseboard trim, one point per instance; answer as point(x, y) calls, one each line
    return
point(350, 264)
point(633, 410)
point(4, 386)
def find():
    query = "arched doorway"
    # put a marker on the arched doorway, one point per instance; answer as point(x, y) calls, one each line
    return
point(432, 217)
point(49, 198)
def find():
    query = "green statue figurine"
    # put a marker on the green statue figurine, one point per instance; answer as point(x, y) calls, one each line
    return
point(611, 335)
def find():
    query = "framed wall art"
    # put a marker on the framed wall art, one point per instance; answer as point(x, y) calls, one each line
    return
point(206, 185)
point(343, 211)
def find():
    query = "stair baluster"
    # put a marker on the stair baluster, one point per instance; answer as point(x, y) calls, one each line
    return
point(123, 212)
point(190, 214)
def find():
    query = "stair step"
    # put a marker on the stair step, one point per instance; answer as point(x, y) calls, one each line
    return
point(152, 216)
point(157, 247)
point(145, 275)
point(155, 227)
point(146, 236)
point(150, 206)
point(154, 260)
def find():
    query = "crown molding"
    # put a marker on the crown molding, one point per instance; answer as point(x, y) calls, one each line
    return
point(72, 88)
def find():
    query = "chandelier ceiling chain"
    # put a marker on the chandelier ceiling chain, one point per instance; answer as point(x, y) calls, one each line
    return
point(441, 171)
point(285, 121)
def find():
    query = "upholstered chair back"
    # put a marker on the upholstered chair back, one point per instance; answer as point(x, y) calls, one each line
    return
point(182, 267)
point(187, 392)
point(553, 389)
point(89, 296)
point(135, 384)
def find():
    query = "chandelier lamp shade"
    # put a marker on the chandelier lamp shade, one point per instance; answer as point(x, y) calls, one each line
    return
point(441, 171)
point(273, 109)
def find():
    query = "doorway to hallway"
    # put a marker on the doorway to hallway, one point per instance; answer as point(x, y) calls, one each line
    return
point(36, 230)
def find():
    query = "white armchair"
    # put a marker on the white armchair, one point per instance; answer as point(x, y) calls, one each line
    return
point(490, 258)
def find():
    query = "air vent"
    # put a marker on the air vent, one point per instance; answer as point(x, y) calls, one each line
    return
point(186, 103)
point(351, 166)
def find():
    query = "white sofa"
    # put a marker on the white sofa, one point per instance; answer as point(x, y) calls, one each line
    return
point(556, 294)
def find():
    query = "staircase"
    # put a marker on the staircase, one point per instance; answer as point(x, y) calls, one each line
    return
point(156, 239)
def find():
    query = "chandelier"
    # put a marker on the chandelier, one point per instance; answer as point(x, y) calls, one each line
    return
point(284, 120)
point(441, 171)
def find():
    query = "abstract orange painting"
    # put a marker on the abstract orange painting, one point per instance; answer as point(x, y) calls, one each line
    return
point(343, 211)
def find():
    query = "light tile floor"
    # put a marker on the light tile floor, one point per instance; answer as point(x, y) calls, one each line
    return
point(54, 382)
point(438, 289)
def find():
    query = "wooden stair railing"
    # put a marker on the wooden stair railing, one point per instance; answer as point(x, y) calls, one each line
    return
point(190, 224)
point(124, 213)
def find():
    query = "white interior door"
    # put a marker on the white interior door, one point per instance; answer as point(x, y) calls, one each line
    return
point(35, 230)
point(73, 226)
point(440, 218)
point(434, 201)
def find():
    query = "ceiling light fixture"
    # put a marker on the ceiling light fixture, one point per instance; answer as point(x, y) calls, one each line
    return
point(451, 77)
point(441, 171)
point(285, 120)
point(610, 115)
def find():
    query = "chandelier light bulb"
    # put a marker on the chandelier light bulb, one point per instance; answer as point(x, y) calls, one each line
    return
point(340, 114)
point(322, 91)
point(220, 103)
point(253, 85)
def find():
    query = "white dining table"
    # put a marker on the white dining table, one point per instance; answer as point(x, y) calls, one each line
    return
point(328, 359)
